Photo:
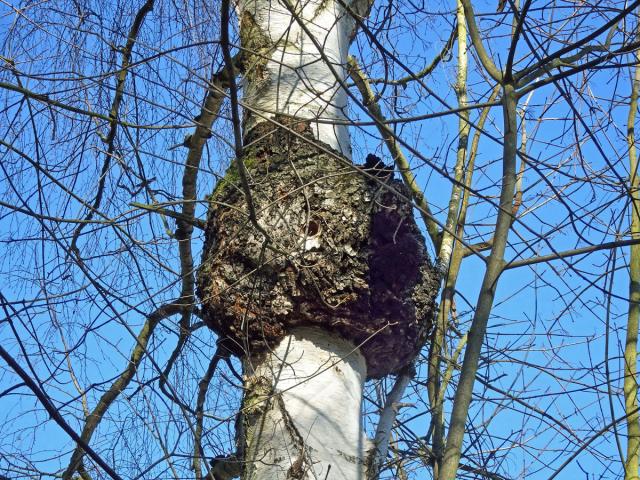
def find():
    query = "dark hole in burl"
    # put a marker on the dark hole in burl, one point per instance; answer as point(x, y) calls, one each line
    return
point(313, 228)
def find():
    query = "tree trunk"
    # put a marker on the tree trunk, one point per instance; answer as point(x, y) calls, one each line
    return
point(631, 343)
point(301, 415)
point(296, 54)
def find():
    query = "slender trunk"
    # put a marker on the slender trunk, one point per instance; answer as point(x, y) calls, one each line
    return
point(631, 344)
point(447, 246)
point(462, 401)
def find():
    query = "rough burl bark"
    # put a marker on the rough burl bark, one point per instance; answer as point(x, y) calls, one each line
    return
point(343, 253)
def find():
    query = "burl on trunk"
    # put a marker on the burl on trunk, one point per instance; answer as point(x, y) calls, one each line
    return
point(330, 284)
point(343, 253)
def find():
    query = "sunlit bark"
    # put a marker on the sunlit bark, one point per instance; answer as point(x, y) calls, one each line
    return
point(631, 344)
point(301, 412)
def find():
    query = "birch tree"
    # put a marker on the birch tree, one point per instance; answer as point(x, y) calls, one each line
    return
point(224, 225)
point(319, 288)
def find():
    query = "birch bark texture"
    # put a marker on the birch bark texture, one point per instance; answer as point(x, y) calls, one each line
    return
point(301, 413)
point(296, 57)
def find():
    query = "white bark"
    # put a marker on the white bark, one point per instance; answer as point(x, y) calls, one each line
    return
point(294, 77)
point(301, 415)
point(302, 410)
point(387, 421)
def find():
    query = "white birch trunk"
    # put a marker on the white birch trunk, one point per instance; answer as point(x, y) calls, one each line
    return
point(301, 416)
point(298, 64)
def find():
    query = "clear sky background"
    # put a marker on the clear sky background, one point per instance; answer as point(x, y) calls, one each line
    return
point(548, 335)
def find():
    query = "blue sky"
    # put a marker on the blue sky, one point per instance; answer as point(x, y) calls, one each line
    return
point(546, 339)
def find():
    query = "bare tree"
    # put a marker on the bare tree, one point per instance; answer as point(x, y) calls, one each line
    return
point(209, 269)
